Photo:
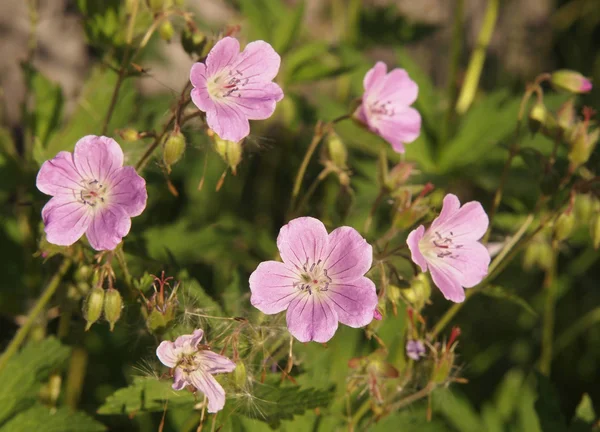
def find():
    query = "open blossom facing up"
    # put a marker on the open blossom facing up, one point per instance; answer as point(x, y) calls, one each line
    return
point(385, 107)
point(195, 367)
point(450, 248)
point(233, 87)
point(92, 193)
point(320, 281)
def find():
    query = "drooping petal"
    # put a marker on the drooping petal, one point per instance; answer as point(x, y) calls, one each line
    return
point(312, 318)
point(96, 157)
point(403, 127)
point(347, 256)
point(413, 240)
point(214, 363)
point(228, 121)
point(258, 61)
point(374, 75)
point(258, 101)
point(128, 190)
point(398, 89)
point(223, 54)
point(58, 176)
point(208, 385)
point(108, 227)
point(354, 301)
point(65, 220)
point(272, 287)
point(446, 280)
point(180, 379)
point(302, 240)
point(167, 353)
point(189, 342)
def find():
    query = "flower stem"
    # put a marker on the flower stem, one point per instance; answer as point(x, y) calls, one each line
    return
point(309, 152)
point(21, 334)
point(549, 309)
point(312, 188)
point(424, 392)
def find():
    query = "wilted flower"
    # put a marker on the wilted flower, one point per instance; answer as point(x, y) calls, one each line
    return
point(415, 349)
point(233, 87)
point(320, 282)
point(195, 367)
point(385, 107)
point(450, 247)
point(93, 193)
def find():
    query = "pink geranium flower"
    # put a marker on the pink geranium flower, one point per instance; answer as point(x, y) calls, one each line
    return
point(450, 247)
point(385, 107)
point(92, 193)
point(233, 87)
point(195, 367)
point(320, 281)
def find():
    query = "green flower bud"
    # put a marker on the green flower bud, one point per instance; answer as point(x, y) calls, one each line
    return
point(419, 292)
point(240, 375)
point(166, 30)
point(585, 207)
point(595, 230)
point(113, 305)
point(570, 81)
point(193, 41)
point(337, 150)
point(230, 152)
point(156, 320)
point(537, 117)
point(129, 134)
point(92, 306)
point(174, 149)
point(583, 145)
point(564, 226)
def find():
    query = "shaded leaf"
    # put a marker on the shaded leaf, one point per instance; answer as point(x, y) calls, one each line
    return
point(501, 293)
point(547, 406)
point(41, 418)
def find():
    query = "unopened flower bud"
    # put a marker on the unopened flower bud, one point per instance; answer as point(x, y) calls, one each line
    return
point(564, 226)
point(582, 145)
point(570, 81)
point(129, 134)
point(230, 152)
point(337, 150)
point(538, 254)
point(113, 305)
point(399, 175)
point(174, 148)
point(419, 292)
point(537, 117)
point(595, 230)
point(193, 41)
point(240, 375)
point(166, 30)
point(92, 306)
point(585, 207)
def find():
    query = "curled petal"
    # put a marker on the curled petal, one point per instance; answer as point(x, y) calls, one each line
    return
point(65, 220)
point(168, 354)
point(302, 240)
point(311, 318)
point(128, 190)
point(272, 287)
point(208, 385)
point(180, 379)
point(189, 342)
point(259, 61)
point(223, 54)
point(214, 363)
point(413, 240)
point(96, 157)
point(108, 227)
point(354, 302)
point(58, 176)
point(347, 256)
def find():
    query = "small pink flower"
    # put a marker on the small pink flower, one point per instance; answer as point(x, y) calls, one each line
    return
point(195, 367)
point(93, 193)
point(320, 282)
point(450, 247)
point(233, 87)
point(385, 107)
point(415, 349)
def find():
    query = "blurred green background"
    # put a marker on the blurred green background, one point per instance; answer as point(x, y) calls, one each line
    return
point(57, 86)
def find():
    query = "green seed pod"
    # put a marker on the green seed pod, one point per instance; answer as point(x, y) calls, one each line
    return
point(193, 41)
point(230, 151)
point(92, 306)
point(585, 207)
point(129, 134)
point(563, 227)
point(174, 149)
point(537, 117)
point(583, 145)
point(113, 305)
point(166, 30)
point(240, 375)
point(337, 150)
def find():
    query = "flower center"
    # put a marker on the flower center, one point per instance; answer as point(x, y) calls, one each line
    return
point(382, 108)
point(227, 83)
point(440, 244)
point(92, 192)
point(188, 363)
point(313, 277)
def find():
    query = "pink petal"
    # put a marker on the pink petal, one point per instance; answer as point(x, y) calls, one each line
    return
point(128, 190)
point(354, 302)
point(258, 61)
point(401, 128)
point(302, 240)
point(347, 256)
point(398, 88)
point(198, 75)
point(258, 103)
point(59, 176)
point(468, 265)
point(311, 318)
point(179, 379)
point(374, 75)
point(109, 225)
point(189, 342)
point(272, 287)
point(228, 122)
point(446, 280)
point(223, 54)
point(413, 240)
point(202, 99)
point(214, 363)
point(65, 220)
point(208, 385)
point(450, 206)
point(97, 157)
point(470, 222)
point(167, 354)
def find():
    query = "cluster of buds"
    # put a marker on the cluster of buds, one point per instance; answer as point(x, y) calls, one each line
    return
point(371, 373)
point(102, 302)
point(231, 152)
point(159, 310)
point(444, 360)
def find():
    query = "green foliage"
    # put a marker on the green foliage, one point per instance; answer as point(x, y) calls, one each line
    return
point(498, 292)
point(547, 406)
point(40, 417)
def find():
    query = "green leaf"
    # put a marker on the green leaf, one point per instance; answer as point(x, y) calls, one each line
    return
point(145, 394)
point(193, 296)
point(23, 373)
point(547, 406)
point(585, 415)
point(272, 404)
point(288, 28)
point(457, 410)
point(414, 419)
point(41, 418)
point(502, 294)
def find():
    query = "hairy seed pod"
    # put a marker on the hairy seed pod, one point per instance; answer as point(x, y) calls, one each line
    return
point(113, 305)
point(92, 306)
